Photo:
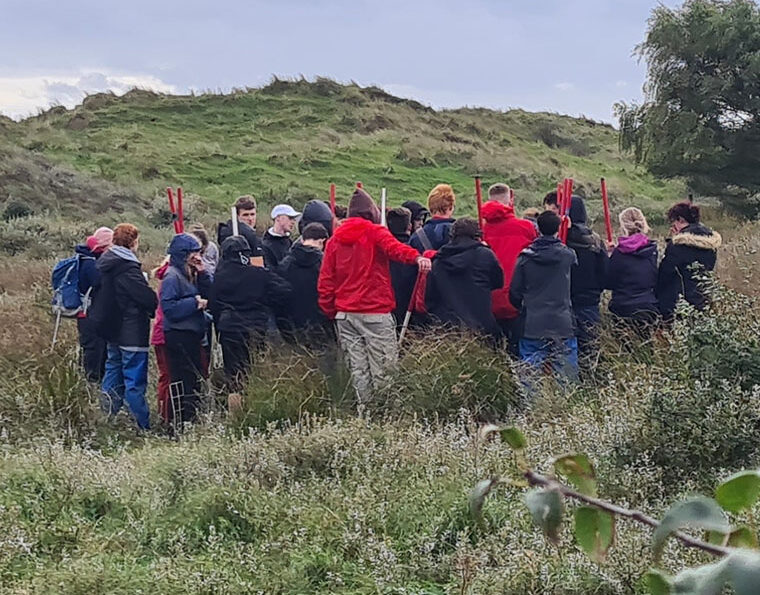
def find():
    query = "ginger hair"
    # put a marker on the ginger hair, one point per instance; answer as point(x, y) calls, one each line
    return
point(441, 199)
point(125, 235)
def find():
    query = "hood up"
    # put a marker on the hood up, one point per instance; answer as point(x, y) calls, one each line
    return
point(316, 211)
point(352, 230)
point(180, 248)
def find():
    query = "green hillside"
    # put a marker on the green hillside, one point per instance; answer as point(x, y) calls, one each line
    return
point(289, 140)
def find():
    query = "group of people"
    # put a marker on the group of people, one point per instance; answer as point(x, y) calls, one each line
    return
point(350, 282)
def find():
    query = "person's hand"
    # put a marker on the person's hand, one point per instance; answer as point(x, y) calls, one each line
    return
point(424, 264)
point(201, 302)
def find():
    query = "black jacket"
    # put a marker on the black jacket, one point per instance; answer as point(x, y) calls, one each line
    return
point(125, 303)
point(243, 297)
point(632, 276)
point(689, 255)
point(437, 231)
point(540, 289)
point(403, 278)
point(590, 275)
point(225, 231)
point(459, 286)
point(275, 248)
point(299, 318)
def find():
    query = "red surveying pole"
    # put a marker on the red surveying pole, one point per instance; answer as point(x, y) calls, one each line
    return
point(180, 212)
point(567, 197)
point(606, 204)
point(479, 199)
point(359, 185)
point(332, 204)
point(172, 209)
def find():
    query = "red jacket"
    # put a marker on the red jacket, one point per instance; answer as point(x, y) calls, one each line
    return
point(508, 236)
point(355, 276)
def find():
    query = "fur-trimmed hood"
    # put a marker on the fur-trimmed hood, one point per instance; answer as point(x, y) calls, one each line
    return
point(698, 236)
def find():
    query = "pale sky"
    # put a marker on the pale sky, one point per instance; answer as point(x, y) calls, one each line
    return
point(568, 57)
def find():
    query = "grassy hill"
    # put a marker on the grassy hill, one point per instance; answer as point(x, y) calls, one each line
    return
point(290, 140)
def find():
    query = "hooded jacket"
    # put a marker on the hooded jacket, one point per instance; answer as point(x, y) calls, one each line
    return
point(689, 255)
point(275, 248)
point(243, 296)
point(632, 276)
point(507, 235)
point(316, 211)
point(178, 293)
point(89, 277)
point(355, 275)
point(225, 231)
point(126, 303)
point(437, 230)
point(301, 313)
point(157, 334)
point(403, 278)
point(460, 285)
point(417, 210)
point(590, 276)
point(541, 289)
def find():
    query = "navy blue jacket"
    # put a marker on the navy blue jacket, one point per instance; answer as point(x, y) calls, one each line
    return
point(689, 255)
point(403, 278)
point(590, 275)
point(179, 304)
point(632, 276)
point(89, 276)
point(437, 230)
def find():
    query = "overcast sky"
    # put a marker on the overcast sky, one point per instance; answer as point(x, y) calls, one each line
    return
point(572, 57)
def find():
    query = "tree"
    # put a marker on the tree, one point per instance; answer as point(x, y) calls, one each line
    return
point(700, 118)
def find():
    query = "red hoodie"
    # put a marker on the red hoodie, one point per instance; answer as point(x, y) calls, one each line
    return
point(508, 236)
point(355, 276)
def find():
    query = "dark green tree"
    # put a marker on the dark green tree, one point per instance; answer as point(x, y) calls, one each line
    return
point(700, 118)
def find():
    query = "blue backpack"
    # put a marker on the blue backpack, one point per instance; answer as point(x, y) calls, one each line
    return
point(67, 300)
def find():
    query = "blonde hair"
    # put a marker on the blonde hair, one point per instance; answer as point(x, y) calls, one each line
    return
point(632, 221)
point(441, 199)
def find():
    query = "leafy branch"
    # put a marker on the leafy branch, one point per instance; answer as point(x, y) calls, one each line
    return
point(594, 519)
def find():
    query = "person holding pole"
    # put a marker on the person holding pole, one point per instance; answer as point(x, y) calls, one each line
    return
point(245, 208)
point(355, 290)
point(587, 281)
point(435, 233)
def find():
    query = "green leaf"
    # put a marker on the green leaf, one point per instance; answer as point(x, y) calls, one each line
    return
point(739, 492)
point(595, 531)
point(657, 582)
point(700, 512)
point(546, 508)
point(478, 495)
point(514, 438)
point(579, 471)
point(740, 537)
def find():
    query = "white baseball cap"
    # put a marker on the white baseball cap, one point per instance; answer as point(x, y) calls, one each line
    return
point(284, 210)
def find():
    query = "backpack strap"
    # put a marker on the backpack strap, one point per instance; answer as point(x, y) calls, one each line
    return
point(423, 236)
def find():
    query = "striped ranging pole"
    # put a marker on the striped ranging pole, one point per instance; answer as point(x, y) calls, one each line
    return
point(479, 199)
point(332, 204)
point(383, 199)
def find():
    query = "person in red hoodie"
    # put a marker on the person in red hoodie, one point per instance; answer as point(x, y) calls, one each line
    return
point(355, 290)
point(507, 235)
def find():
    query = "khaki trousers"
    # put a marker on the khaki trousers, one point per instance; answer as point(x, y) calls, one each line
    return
point(371, 348)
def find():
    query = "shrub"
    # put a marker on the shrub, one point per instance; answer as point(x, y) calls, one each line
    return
point(16, 209)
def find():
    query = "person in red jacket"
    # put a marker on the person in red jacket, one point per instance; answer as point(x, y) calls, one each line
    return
point(507, 235)
point(355, 290)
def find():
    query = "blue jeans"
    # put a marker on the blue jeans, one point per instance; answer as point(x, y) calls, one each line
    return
point(559, 355)
point(126, 379)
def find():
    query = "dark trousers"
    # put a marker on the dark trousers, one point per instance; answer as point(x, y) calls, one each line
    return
point(511, 331)
point(184, 351)
point(238, 349)
point(94, 350)
point(587, 323)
